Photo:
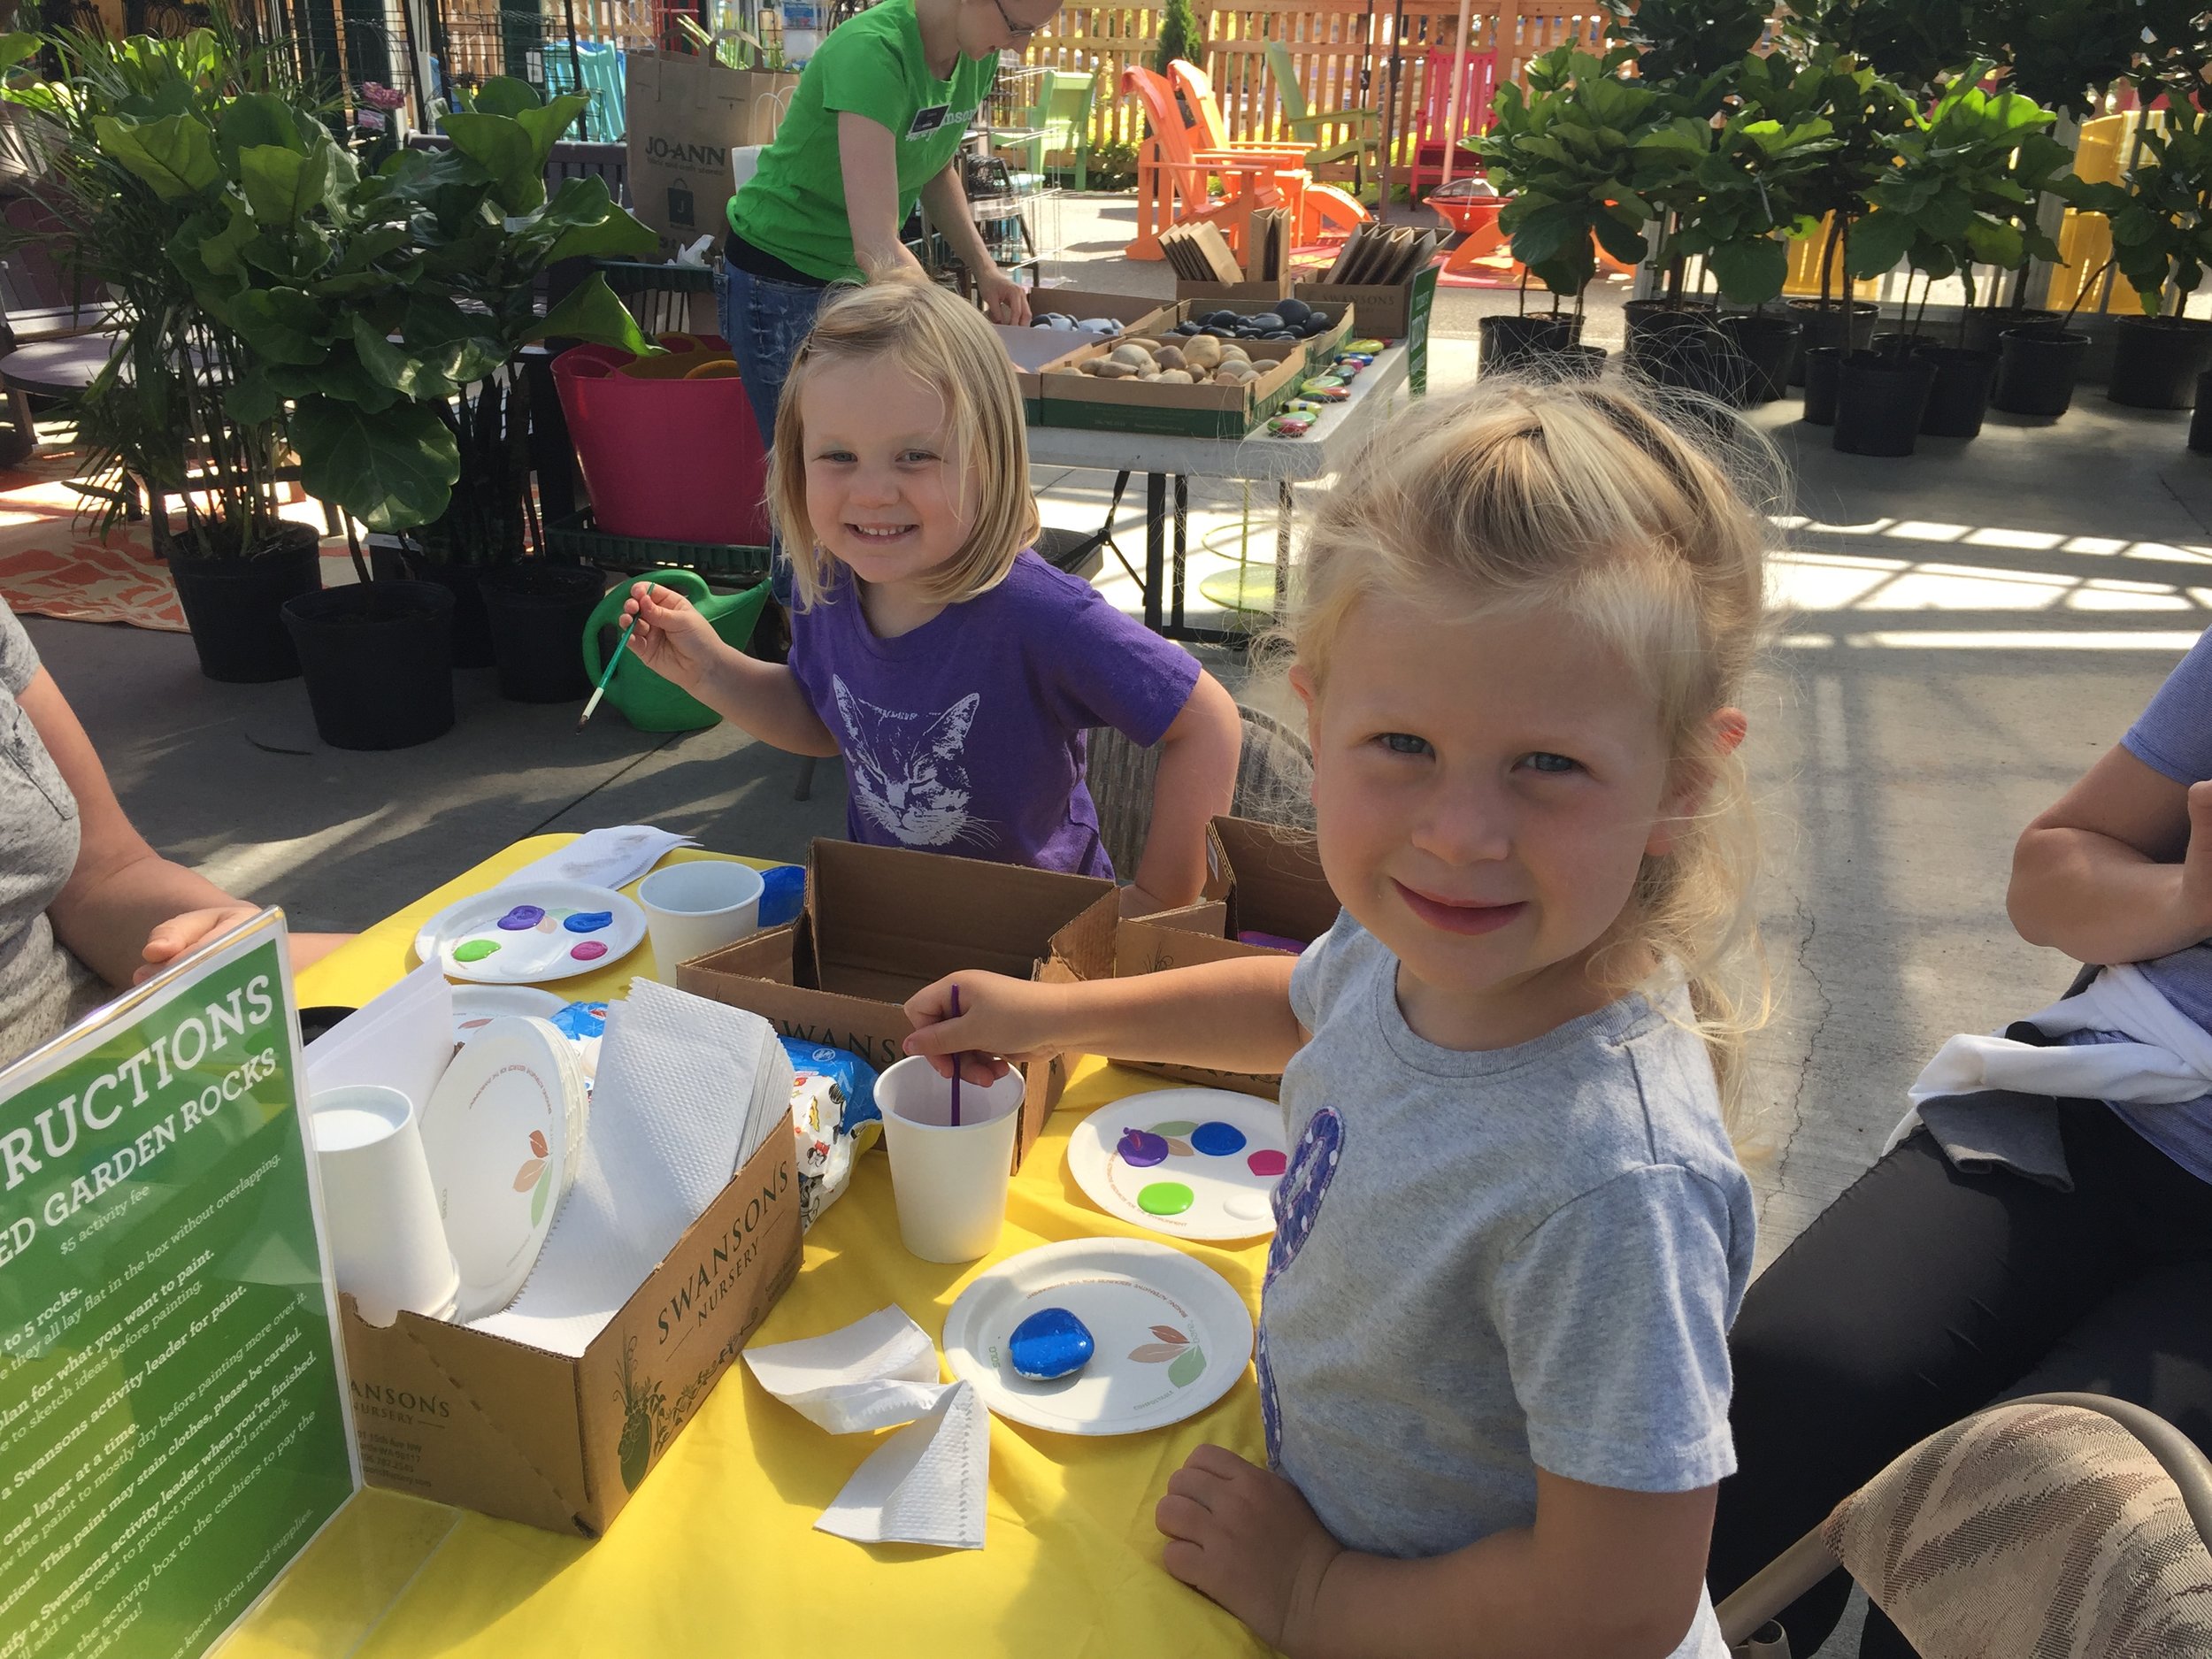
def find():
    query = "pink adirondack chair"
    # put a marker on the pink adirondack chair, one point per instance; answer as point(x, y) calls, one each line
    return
point(1478, 86)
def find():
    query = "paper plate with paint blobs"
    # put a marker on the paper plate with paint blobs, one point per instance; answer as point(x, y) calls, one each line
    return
point(532, 932)
point(1185, 1163)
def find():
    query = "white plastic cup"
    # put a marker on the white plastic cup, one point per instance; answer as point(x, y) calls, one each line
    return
point(388, 1246)
point(949, 1184)
point(698, 907)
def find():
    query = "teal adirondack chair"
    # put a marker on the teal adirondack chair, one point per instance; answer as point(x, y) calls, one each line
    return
point(1309, 127)
point(601, 63)
point(1061, 119)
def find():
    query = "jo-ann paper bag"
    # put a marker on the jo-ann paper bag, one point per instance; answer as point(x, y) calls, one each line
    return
point(685, 114)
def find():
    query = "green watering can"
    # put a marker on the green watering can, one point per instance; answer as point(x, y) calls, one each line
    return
point(647, 701)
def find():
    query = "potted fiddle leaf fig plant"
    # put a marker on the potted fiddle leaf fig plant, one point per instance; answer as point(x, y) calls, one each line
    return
point(1575, 153)
point(2162, 242)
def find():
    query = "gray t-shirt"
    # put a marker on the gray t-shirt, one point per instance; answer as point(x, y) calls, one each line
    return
point(42, 985)
point(1487, 1262)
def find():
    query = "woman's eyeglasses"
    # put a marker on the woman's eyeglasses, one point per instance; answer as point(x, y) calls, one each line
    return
point(1019, 31)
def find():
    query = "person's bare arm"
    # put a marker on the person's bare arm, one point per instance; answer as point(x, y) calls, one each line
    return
point(126, 910)
point(1004, 300)
point(673, 639)
point(2119, 869)
point(1602, 1572)
point(867, 156)
point(1196, 777)
point(1231, 1016)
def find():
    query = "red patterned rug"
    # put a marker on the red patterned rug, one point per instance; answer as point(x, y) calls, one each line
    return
point(54, 563)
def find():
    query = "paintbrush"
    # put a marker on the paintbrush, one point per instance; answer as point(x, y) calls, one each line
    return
point(607, 673)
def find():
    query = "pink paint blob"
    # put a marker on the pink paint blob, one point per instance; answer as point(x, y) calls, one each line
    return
point(1269, 1164)
point(589, 950)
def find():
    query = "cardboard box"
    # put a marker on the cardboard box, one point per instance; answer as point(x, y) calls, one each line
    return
point(1391, 313)
point(463, 1417)
point(1275, 883)
point(1204, 410)
point(1214, 294)
point(881, 921)
point(1033, 350)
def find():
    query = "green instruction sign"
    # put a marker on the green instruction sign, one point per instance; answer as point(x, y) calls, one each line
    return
point(172, 1428)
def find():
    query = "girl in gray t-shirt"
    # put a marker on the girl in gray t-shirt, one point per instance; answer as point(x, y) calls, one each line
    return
point(1493, 1361)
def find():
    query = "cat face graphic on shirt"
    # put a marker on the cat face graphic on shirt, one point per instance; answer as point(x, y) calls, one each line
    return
point(907, 769)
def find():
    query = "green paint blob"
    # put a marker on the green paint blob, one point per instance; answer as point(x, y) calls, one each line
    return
point(1166, 1198)
point(475, 951)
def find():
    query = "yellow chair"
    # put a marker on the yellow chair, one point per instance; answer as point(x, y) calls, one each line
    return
point(2084, 240)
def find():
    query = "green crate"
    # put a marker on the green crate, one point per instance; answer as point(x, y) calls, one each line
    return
point(577, 537)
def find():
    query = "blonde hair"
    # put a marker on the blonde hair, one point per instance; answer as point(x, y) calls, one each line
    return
point(944, 342)
point(1580, 499)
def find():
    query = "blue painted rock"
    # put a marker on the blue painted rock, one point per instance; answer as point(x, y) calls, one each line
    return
point(1050, 1344)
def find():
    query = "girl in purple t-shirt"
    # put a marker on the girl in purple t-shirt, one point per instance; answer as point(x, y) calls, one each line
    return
point(954, 670)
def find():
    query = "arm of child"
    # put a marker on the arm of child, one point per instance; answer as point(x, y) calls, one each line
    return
point(1602, 1572)
point(764, 699)
point(2096, 875)
point(1231, 1016)
point(1196, 777)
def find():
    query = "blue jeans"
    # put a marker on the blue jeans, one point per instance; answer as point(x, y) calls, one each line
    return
point(764, 321)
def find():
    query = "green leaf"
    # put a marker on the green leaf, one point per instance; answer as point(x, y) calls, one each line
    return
point(537, 1197)
point(1878, 242)
point(1542, 235)
point(503, 149)
point(283, 325)
point(590, 225)
point(1994, 243)
point(257, 120)
point(590, 312)
point(175, 155)
point(282, 186)
point(394, 366)
point(547, 125)
point(1623, 242)
point(504, 94)
point(1188, 1367)
point(16, 49)
point(1750, 272)
point(392, 471)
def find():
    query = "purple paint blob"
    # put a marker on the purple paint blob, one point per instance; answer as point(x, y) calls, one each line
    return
point(521, 919)
point(1218, 1140)
point(590, 950)
point(1141, 1150)
point(1270, 1162)
point(588, 921)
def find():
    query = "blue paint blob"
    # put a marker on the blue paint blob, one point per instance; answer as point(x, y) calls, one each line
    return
point(1048, 1345)
point(588, 921)
point(521, 919)
point(1140, 1149)
point(1218, 1140)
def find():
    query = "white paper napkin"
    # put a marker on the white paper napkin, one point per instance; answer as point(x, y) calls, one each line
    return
point(686, 1091)
point(604, 857)
point(877, 1372)
point(928, 1483)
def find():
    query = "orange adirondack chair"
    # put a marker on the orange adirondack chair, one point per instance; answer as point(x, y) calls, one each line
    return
point(1179, 184)
point(1322, 207)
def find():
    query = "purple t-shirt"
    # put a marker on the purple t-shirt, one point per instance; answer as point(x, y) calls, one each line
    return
point(966, 735)
point(2174, 736)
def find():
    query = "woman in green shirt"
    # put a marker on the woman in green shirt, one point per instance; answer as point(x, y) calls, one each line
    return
point(875, 124)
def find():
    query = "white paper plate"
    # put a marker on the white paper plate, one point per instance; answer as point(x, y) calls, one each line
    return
point(496, 1135)
point(1172, 1336)
point(476, 1006)
point(1219, 1156)
point(545, 949)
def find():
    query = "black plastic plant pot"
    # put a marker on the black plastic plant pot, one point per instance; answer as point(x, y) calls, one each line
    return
point(2036, 371)
point(1685, 350)
point(1515, 343)
point(1985, 325)
point(472, 623)
point(537, 613)
point(379, 662)
point(1845, 327)
point(1576, 362)
point(1960, 396)
point(235, 606)
point(2201, 422)
point(1821, 364)
point(1879, 402)
point(1768, 346)
point(2156, 360)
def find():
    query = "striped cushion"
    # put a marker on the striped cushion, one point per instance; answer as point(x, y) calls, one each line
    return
point(2031, 1531)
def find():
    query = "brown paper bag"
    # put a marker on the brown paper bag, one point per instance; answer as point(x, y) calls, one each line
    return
point(685, 114)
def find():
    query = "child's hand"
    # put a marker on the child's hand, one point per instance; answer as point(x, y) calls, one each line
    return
point(1244, 1538)
point(671, 638)
point(1000, 1019)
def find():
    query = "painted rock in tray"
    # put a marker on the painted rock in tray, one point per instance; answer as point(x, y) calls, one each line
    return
point(1050, 1344)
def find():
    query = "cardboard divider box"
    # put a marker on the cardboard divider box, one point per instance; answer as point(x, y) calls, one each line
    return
point(1216, 294)
point(882, 922)
point(463, 1417)
point(1034, 349)
point(1204, 410)
point(1260, 877)
point(1390, 314)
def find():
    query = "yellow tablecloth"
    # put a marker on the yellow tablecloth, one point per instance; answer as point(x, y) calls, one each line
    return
point(716, 1553)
